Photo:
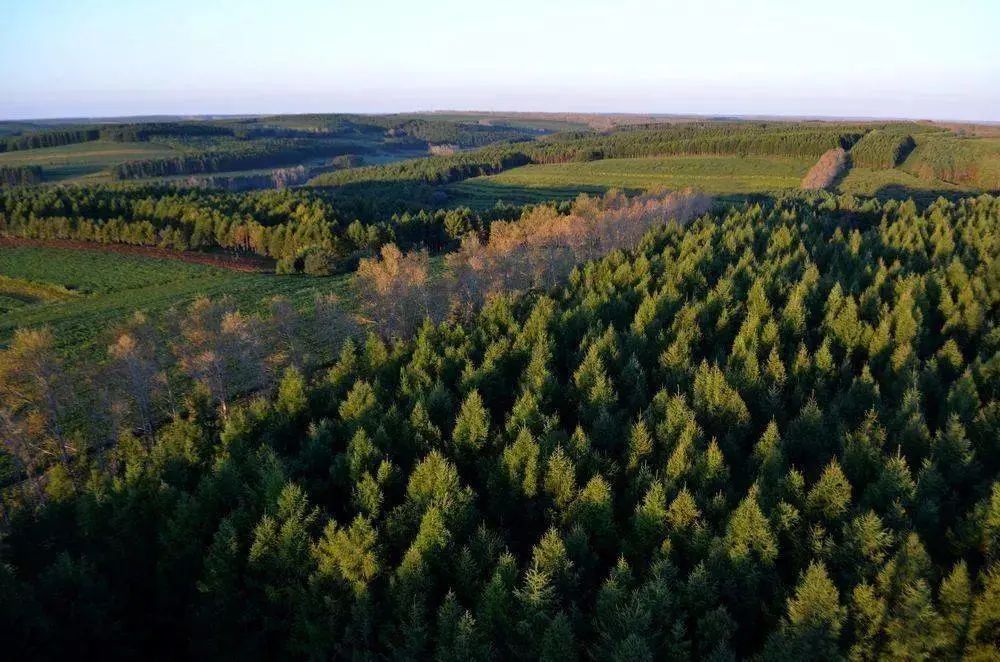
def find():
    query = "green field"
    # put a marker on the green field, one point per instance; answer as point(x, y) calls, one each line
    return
point(21, 292)
point(108, 287)
point(892, 183)
point(712, 174)
point(87, 161)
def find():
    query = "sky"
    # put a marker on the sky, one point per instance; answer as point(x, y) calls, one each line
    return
point(850, 58)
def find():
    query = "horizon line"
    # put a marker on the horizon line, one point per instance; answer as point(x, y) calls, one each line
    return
point(608, 113)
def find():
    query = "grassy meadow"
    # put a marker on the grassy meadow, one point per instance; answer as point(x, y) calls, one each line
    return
point(97, 290)
point(892, 183)
point(84, 162)
point(711, 174)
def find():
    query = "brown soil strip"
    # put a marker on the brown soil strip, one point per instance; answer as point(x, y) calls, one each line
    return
point(253, 264)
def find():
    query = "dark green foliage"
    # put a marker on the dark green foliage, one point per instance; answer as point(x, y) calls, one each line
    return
point(52, 138)
point(20, 175)
point(769, 434)
point(234, 155)
point(142, 132)
point(305, 230)
point(433, 170)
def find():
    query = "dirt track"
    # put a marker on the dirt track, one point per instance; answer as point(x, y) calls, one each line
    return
point(222, 260)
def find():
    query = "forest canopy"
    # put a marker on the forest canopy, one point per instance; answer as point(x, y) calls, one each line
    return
point(769, 431)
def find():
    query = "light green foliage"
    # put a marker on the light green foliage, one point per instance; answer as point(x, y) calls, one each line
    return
point(560, 478)
point(712, 174)
point(830, 497)
point(473, 424)
point(348, 554)
point(292, 397)
point(815, 619)
point(521, 461)
point(748, 534)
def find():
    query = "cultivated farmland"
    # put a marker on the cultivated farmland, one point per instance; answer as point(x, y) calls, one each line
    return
point(711, 174)
point(87, 161)
point(81, 294)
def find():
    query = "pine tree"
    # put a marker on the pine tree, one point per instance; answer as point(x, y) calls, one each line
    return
point(649, 523)
point(348, 555)
point(814, 621)
point(984, 628)
point(640, 444)
point(915, 630)
point(558, 643)
point(592, 509)
point(683, 511)
point(472, 425)
point(292, 399)
point(560, 478)
point(956, 610)
point(748, 534)
point(830, 497)
point(520, 461)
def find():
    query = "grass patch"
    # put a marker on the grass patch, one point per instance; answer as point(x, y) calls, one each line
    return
point(887, 183)
point(31, 292)
point(89, 160)
point(95, 272)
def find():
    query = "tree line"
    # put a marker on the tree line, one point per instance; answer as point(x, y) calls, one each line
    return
point(137, 132)
point(284, 225)
point(769, 433)
point(234, 155)
point(20, 175)
point(394, 131)
point(53, 138)
point(461, 134)
point(737, 138)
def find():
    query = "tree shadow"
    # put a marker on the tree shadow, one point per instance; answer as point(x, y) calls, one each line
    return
point(919, 195)
point(842, 174)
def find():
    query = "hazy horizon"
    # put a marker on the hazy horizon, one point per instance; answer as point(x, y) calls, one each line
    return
point(855, 59)
point(481, 111)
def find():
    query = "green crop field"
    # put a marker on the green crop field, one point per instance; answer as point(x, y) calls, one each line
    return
point(88, 161)
point(712, 174)
point(107, 287)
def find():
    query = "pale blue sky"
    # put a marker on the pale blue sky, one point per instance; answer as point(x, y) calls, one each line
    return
point(877, 58)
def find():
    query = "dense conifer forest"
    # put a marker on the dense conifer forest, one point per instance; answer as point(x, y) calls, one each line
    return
point(763, 430)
